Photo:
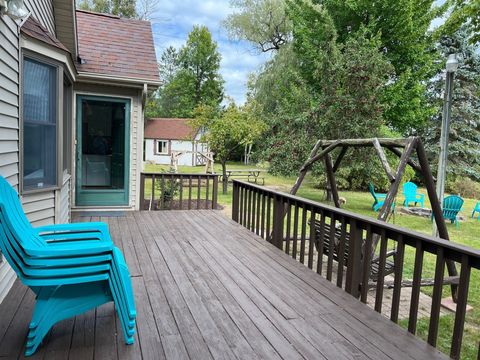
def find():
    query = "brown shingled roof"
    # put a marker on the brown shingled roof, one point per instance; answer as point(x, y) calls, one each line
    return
point(109, 45)
point(35, 30)
point(169, 129)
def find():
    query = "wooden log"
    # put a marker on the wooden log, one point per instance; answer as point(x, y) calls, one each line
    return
point(340, 158)
point(436, 209)
point(304, 170)
point(399, 143)
point(331, 180)
point(411, 162)
point(319, 156)
point(383, 160)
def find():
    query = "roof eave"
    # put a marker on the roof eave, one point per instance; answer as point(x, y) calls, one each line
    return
point(116, 79)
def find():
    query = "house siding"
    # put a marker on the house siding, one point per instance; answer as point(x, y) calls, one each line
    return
point(64, 12)
point(9, 125)
point(136, 125)
point(42, 10)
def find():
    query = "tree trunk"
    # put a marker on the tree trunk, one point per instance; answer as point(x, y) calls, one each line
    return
point(224, 177)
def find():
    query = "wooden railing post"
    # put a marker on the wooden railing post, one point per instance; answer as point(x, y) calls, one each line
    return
point(354, 265)
point(215, 192)
point(277, 235)
point(235, 200)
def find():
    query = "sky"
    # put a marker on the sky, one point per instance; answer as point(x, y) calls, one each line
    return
point(174, 19)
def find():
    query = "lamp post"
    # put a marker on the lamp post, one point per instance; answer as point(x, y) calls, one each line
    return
point(452, 67)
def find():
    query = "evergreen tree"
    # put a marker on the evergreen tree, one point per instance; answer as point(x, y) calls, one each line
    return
point(464, 141)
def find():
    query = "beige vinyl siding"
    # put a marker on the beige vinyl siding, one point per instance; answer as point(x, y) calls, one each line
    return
point(40, 208)
point(42, 10)
point(9, 124)
point(136, 132)
point(64, 12)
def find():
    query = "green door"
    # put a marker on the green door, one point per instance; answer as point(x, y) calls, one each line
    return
point(103, 149)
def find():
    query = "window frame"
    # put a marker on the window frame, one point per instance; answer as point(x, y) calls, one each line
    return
point(60, 76)
point(167, 142)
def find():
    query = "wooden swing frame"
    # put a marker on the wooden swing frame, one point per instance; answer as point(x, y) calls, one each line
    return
point(208, 156)
point(323, 151)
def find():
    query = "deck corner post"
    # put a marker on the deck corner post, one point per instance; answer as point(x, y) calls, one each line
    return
point(278, 217)
point(235, 200)
point(215, 192)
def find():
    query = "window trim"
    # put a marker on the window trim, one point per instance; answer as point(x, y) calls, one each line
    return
point(61, 73)
point(169, 147)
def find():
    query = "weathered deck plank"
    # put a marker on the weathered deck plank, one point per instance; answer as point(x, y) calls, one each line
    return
point(206, 288)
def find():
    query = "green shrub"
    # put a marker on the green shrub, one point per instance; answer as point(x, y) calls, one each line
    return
point(467, 188)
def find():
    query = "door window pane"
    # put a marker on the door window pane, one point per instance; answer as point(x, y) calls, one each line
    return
point(39, 125)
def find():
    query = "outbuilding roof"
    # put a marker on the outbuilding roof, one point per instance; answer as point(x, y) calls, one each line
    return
point(169, 129)
point(114, 46)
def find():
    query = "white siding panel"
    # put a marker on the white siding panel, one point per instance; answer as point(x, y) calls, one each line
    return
point(7, 278)
point(40, 207)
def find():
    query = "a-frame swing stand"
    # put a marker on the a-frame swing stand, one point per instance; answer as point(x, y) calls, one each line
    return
point(323, 152)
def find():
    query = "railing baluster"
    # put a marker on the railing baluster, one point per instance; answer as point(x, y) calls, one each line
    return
point(367, 264)
point(461, 308)
point(331, 246)
point(207, 190)
point(436, 297)
point(172, 197)
point(215, 193)
point(397, 285)
point(320, 243)
point(245, 206)
point(341, 252)
point(142, 192)
point(288, 209)
point(190, 192)
point(162, 192)
point(249, 206)
point(303, 234)
point(240, 202)
point(254, 208)
point(199, 191)
point(311, 242)
point(381, 271)
point(295, 231)
point(152, 197)
point(257, 222)
point(262, 232)
point(181, 192)
point(417, 278)
point(269, 204)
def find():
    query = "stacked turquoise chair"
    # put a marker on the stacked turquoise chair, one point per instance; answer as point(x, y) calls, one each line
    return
point(451, 207)
point(379, 199)
point(72, 268)
point(410, 193)
point(475, 210)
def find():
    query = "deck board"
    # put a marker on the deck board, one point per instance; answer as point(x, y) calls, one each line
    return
point(206, 288)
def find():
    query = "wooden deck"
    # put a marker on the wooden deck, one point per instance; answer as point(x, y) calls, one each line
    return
point(207, 288)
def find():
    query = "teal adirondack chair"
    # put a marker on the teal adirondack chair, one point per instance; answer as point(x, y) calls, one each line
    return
point(378, 198)
point(475, 210)
point(451, 207)
point(72, 268)
point(410, 193)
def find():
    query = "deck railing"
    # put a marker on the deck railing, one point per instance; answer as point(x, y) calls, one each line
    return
point(164, 191)
point(284, 220)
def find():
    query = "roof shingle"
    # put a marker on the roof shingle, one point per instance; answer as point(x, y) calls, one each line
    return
point(109, 45)
point(169, 129)
point(35, 30)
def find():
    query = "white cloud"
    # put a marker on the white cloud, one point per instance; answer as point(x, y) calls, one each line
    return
point(174, 20)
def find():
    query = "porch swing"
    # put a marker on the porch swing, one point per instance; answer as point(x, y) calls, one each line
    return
point(332, 233)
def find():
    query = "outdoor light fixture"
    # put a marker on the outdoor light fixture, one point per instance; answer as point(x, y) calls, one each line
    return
point(452, 63)
point(14, 8)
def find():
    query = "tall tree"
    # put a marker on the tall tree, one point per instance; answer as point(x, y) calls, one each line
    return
point(197, 79)
point(262, 22)
point(464, 141)
point(465, 13)
point(227, 131)
point(122, 8)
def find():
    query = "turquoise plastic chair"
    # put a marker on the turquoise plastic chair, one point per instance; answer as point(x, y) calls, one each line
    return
point(410, 193)
point(72, 268)
point(451, 207)
point(379, 199)
point(475, 210)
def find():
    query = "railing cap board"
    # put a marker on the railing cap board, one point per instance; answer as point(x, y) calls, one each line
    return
point(179, 174)
point(453, 250)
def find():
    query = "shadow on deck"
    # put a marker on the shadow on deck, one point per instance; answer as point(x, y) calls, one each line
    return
point(206, 288)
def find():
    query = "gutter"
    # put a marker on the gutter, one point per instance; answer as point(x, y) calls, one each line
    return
point(94, 77)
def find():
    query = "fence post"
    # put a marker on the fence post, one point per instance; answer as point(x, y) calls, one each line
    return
point(142, 192)
point(215, 192)
point(235, 200)
point(278, 217)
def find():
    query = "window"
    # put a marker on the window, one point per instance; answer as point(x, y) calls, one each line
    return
point(39, 125)
point(162, 147)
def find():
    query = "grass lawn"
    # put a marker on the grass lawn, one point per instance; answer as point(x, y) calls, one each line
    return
point(468, 234)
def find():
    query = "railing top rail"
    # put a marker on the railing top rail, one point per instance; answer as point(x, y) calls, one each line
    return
point(438, 242)
point(179, 174)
